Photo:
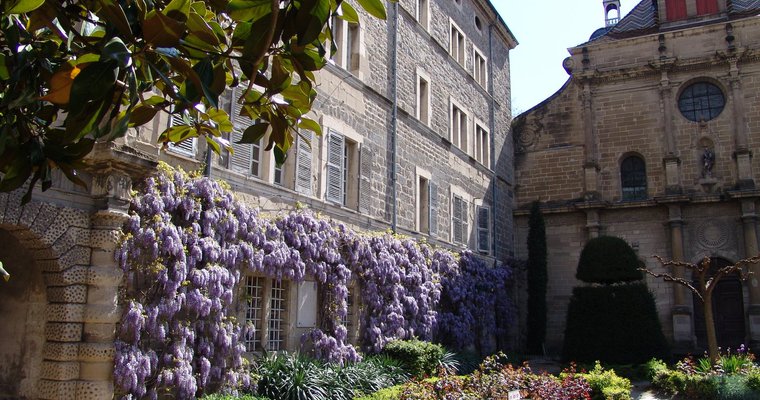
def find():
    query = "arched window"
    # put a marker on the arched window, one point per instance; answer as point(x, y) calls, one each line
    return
point(633, 178)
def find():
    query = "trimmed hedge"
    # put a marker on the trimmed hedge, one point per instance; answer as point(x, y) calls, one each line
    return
point(537, 280)
point(608, 259)
point(613, 324)
point(418, 358)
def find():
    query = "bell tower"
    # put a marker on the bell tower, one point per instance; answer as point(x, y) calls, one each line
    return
point(611, 12)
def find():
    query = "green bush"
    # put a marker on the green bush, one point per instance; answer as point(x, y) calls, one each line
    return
point(608, 259)
point(391, 393)
point(537, 280)
point(607, 385)
point(734, 387)
point(753, 380)
point(419, 358)
point(613, 324)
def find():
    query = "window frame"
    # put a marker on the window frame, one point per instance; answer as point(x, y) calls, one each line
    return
point(423, 99)
point(460, 199)
point(459, 118)
point(458, 47)
point(479, 69)
point(693, 102)
point(628, 188)
point(481, 143)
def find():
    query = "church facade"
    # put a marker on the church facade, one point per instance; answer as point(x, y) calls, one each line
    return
point(652, 139)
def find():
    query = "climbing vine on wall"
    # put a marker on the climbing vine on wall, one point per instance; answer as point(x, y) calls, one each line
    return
point(188, 242)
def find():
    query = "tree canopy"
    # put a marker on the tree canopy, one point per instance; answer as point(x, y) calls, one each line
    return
point(75, 72)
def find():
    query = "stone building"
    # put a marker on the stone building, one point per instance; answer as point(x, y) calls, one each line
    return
point(415, 116)
point(651, 139)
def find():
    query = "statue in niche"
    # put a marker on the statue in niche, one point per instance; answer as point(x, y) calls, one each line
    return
point(708, 162)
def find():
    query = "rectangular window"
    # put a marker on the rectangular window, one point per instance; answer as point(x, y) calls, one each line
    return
point(346, 37)
point(484, 230)
point(186, 147)
point(245, 157)
point(423, 100)
point(459, 220)
point(303, 165)
point(278, 178)
point(482, 145)
point(342, 167)
point(458, 127)
point(423, 205)
point(707, 7)
point(479, 68)
point(278, 302)
point(352, 48)
point(675, 9)
point(423, 10)
point(457, 44)
point(253, 298)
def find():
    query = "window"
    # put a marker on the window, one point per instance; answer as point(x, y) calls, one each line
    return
point(482, 145)
point(633, 178)
point(304, 163)
point(277, 316)
point(459, 220)
point(341, 170)
point(423, 12)
point(707, 7)
point(245, 157)
point(253, 301)
point(278, 178)
point(479, 69)
point(346, 37)
point(423, 98)
point(675, 9)
point(186, 147)
point(484, 230)
point(457, 44)
point(458, 127)
point(423, 204)
point(701, 101)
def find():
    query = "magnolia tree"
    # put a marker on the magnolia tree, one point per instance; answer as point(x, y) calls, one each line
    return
point(703, 285)
point(188, 242)
point(75, 72)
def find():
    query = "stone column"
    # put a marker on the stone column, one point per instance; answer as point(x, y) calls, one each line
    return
point(742, 154)
point(590, 165)
point(266, 308)
point(103, 311)
point(683, 336)
point(356, 298)
point(670, 159)
point(749, 223)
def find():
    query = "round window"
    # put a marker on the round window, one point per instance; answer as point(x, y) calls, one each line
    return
point(701, 101)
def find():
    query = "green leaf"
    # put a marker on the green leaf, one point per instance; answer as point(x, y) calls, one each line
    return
point(178, 9)
point(311, 125)
point(349, 13)
point(113, 14)
point(254, 133)
point(374, 8)
point(116, 50)
point(4, 273)
point(141, 115)
point(280, 156)
point(248, 10)
point(162, 31)
point(211, 140)
point(22, 6)
point(221, 119)
point(92, 84)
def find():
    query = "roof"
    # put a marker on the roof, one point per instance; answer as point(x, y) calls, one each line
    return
point(645, 19)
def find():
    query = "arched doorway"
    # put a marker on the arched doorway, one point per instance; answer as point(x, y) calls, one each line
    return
point(23, 301)
point(728, 306)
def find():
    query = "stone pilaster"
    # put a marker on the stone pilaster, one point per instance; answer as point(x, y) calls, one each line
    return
point(683, 323)
point(749, 223)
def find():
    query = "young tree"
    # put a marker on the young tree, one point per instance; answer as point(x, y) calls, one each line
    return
point(537, 279)
point(703, 288)
point(73, 72)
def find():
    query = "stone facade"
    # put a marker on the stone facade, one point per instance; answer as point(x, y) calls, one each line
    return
point(387, 98)
point(628, 98)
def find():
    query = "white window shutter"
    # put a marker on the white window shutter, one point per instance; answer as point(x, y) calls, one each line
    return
point(185, 147)
point(365, 180)
point(484, 230)
point(303, 163)
point(242, 154)
point(457, 220)
point(336, 145)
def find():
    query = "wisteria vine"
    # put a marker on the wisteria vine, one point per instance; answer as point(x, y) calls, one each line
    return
point(188, 242)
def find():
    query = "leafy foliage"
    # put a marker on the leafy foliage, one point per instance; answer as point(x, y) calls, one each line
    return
point(537, 280)
point(74, 72)
point(293, 376)
point(608, 259)
point(614, 324)
point(418, 357)
point(188, 242)
point(606, 384)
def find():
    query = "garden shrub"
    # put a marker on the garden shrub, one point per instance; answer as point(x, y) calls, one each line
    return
point(607, 385)
point(391, 393)
point(608, 259)
point(613, 324)
point(419, 358)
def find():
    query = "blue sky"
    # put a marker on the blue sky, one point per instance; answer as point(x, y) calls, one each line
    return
point(545, 30)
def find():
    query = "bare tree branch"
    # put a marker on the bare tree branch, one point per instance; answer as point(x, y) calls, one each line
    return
point(671, 278)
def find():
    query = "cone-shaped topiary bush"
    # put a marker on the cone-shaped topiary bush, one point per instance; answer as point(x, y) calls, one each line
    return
point(615, 322)
point(608, 259)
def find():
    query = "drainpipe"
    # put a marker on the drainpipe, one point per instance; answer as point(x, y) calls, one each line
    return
point(207, 168)
point(394, 117)
point(492, 136)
